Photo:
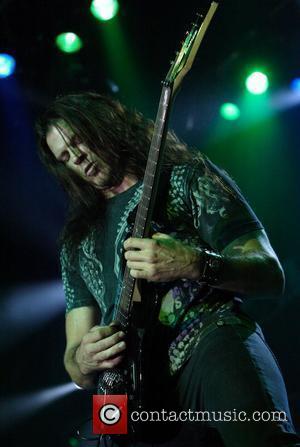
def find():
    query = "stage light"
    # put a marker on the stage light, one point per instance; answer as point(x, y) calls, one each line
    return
point(68, 42)
point(20, 407)
point(113, 86)
point(104, 9)
point(7, 65)
point(230, 111)
point(22, 311)
point(257, 83)
point(295, 84)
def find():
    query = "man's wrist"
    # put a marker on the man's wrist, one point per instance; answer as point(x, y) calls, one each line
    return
point(86, 381)
point(85, 372)
point(210, 266)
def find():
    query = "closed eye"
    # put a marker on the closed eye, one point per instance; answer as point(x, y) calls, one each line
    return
point(74, 141)
point(64, 157)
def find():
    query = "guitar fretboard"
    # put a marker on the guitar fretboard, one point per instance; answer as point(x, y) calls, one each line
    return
point(146, 204)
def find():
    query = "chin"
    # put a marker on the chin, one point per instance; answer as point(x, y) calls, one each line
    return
point(106, 183)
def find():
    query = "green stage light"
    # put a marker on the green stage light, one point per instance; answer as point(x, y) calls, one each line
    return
point(257, 83)
point(230, 111)
point(104, 9)
point(68, 42)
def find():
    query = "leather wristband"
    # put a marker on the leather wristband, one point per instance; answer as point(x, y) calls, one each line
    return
point(211, 264)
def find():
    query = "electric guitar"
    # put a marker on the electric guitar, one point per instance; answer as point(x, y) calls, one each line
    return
point(129, 378)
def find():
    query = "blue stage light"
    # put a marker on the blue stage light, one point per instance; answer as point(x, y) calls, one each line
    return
point(295, 84)
point(22, 406)
point(7, 65)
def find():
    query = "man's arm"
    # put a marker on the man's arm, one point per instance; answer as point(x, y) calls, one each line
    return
point(78, 323)
point(90, 348)
point(249, 266)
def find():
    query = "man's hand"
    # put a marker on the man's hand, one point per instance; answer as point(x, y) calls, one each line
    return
point(101, 348)
point(161, 259)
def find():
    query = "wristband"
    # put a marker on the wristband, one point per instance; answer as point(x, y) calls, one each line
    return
point(211, 264)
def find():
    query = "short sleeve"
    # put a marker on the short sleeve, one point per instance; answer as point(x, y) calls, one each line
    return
point(76, 292)
point(220, 211)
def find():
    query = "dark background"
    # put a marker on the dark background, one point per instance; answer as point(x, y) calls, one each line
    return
point(132, 52)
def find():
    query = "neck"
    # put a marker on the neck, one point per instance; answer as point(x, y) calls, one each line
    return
point(127, 182)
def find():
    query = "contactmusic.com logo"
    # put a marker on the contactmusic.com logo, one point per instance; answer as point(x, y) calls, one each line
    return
point(110, 414)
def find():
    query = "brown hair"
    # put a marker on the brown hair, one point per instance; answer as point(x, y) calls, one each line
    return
point(121, 138)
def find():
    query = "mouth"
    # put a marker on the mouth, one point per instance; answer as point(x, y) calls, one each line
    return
point(91, 169)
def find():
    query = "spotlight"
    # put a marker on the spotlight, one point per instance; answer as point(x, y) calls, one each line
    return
point(295, 84)
point(68, 42)
point(104, 9)
point(20, 407)
point(7, 65)
point(230, 111)
point(22, 311)
point(113, 86)
point(257, 83)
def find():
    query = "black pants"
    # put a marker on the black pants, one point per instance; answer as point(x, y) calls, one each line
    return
point(233, 370)
point(234, 378)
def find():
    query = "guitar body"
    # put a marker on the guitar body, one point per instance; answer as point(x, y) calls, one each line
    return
point(143, 372)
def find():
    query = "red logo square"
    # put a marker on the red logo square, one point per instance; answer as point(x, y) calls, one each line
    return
point(110, 414)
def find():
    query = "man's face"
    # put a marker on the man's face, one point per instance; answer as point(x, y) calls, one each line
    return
point(77, 157)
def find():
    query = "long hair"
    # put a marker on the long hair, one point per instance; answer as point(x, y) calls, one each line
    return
point(119, 136)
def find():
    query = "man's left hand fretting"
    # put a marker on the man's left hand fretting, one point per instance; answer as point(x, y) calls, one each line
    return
point(161, 258)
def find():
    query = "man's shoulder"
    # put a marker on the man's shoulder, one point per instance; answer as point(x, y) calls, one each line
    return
point(180, 179)
point(185, 171)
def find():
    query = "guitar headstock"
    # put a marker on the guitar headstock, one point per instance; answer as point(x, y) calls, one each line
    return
point(185, 57)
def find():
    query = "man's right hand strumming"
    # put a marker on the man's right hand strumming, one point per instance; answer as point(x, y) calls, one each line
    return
point(90, 347)
point(101, 348)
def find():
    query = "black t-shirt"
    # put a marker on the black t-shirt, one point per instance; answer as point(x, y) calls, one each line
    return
point(204, 208)
point(107, 233)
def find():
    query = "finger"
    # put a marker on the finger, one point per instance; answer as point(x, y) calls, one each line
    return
point(165, 239)
point(134, 243)
point(140, 274)
point(109, 353)
point(108, 364)
point(107, 342)
point(138, 265)
point(138, 255)
point(114, 324)
point(161, 236)
point(95, 328)
point(98, 333)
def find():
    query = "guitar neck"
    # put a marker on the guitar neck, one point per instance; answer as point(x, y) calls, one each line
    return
point(180, 67)
point(153, 167)
point(146, 205)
